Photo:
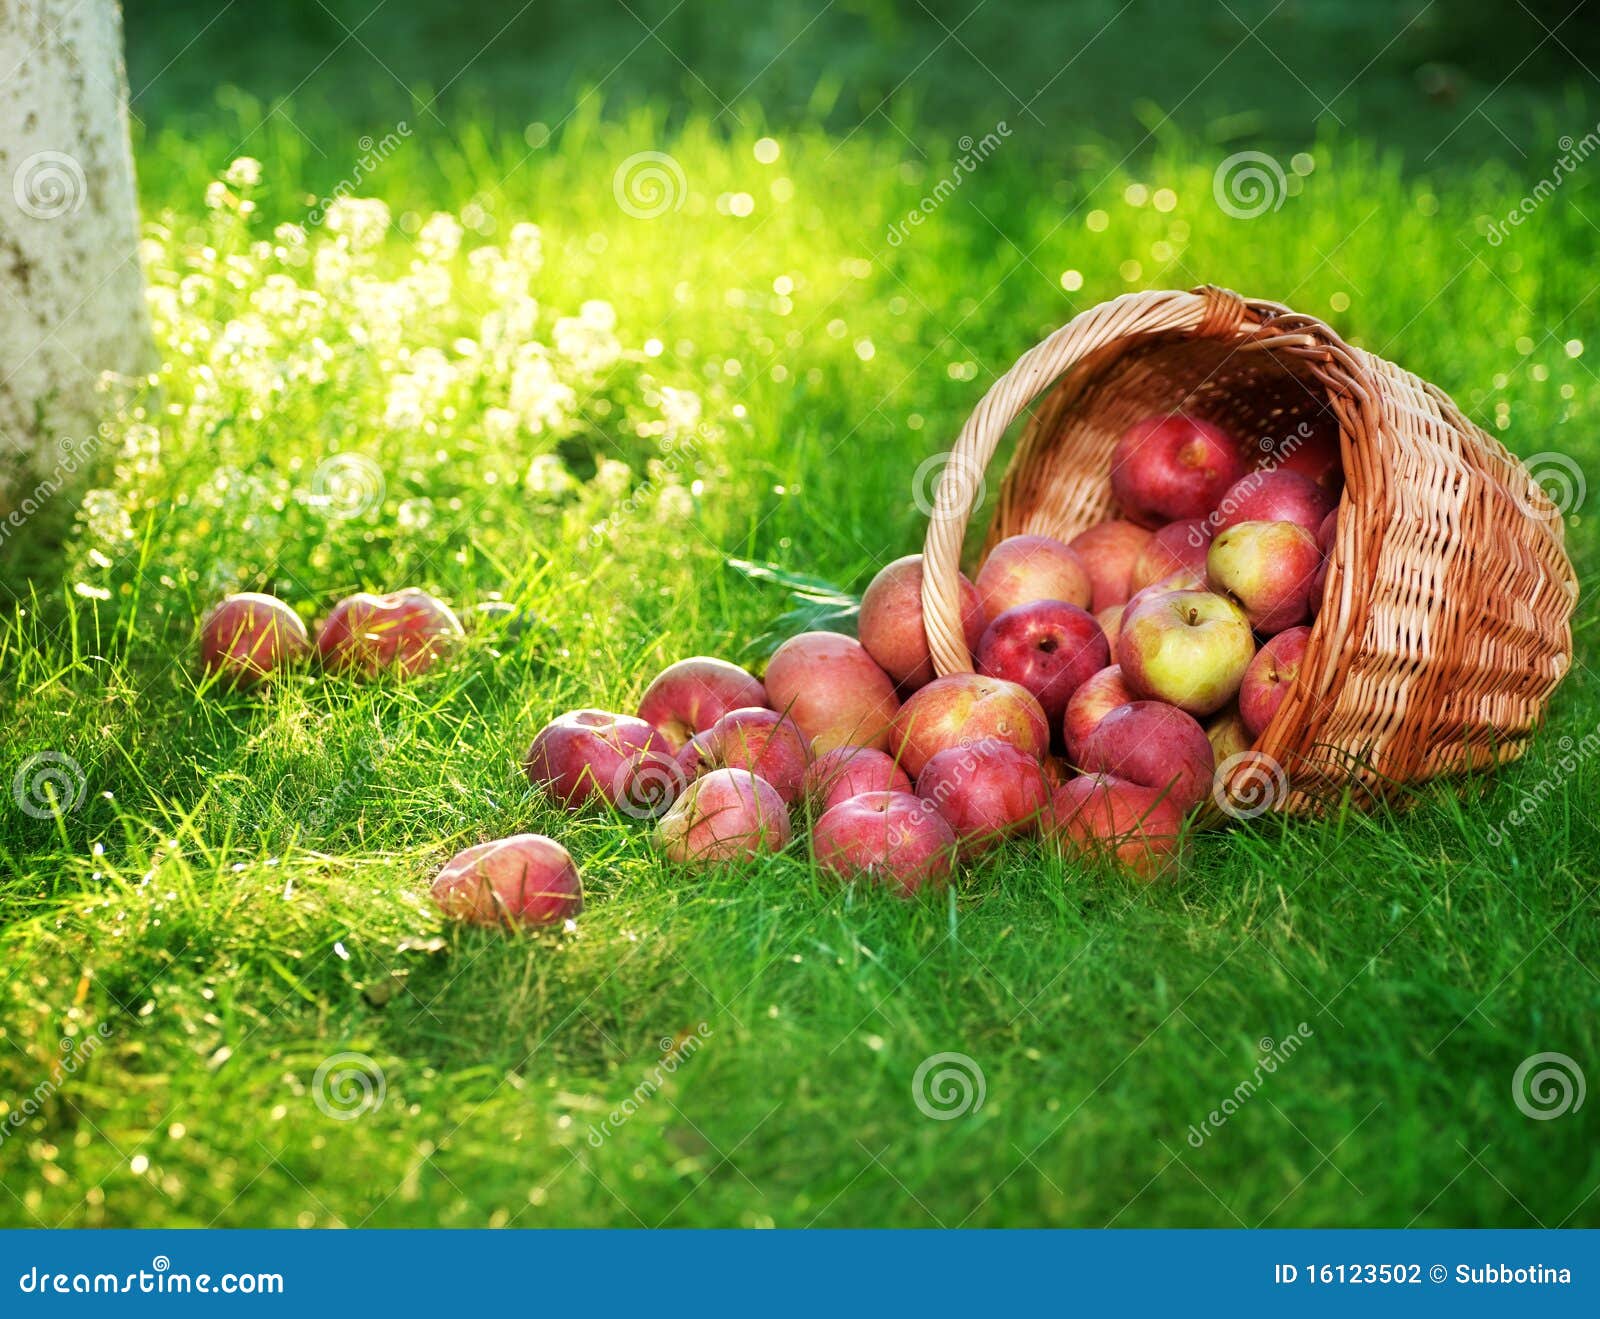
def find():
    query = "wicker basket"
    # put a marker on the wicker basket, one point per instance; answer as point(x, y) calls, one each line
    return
point(1444, 626)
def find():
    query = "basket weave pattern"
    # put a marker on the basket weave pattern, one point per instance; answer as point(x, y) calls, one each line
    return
point(1445, 622)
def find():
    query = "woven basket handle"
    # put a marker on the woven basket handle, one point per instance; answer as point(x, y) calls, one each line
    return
point(1208, 312)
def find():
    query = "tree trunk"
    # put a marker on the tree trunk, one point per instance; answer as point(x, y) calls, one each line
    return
point(71, 292)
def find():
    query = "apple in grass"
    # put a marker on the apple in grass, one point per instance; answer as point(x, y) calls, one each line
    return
point(1100, 694)
point(406, 632)
point(892, 838)
point(1277, 496)
point(1022, 569)
point(688, 697)
point(524, 880)
point(1107, 551)
point(726, 815)
point(833, 690)
point(593, 755)
point(890, 624)
point(1188, 648)
point(1176, 547)
point(985, 792)
point(1049, 647)
point(248, 636)
point(764, 742)
point(1156, 746)
point(1100, 815)
point(1167, 469)
point(962, 710)
point(1268, 568)
point(1274, 670)
point(846, 772)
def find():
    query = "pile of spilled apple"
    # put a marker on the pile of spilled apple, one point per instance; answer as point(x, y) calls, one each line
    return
point(1115, 672)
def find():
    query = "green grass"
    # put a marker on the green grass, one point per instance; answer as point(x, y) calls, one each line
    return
point(241, 893)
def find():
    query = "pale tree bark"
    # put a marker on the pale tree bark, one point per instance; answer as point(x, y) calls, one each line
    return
point(71, 292)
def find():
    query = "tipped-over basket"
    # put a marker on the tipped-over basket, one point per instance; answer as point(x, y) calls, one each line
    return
point(1444, 626)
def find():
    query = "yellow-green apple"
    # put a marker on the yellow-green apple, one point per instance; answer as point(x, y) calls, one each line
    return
point(1269, 677)
point(1226, 732)
point(247, 636)
point(1166, 469)
point(406, 632)
point(593, 755)
point(846, 772)
point(726, 815)
point(1277, 496)
point(1268, 568)
point(891, 838)
point(985, 792)
point(766, 743)
point(1049, 647)
point(964, 709)
point(833, 690)
point(526, 879)
point(1325, 538)
point(1100, 694)
point(688, 697)
point(1176, 547)
point(1189, 648)
point(1156, 746)
point(1110, 620)
point(890, 625)
point(1102, 816)
point(1022, 569)
point(1108, 551)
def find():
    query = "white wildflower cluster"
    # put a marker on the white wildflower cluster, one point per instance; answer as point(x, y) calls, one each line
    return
point(429, 357)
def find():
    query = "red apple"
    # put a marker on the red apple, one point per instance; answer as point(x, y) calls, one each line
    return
point(846, 772)
point(527, 879)
point(965, 709)
point(1110, 620)
point(1048, 647)
point(833, 690)
point(1269, 677)
point(688, 697)
point(891, 628)
point(1022, 569)
point(1156, 746)
point(1108, 550)
point(588, 755)
point(1189, 648)
point(1326, 534)
point(247, 636)
point(1104, 816)
point(890, 837)
point(1100, 694)
point(1177, 547)
point(1166, 469)
point(762, 741)
point(1274, 497)
point(985, 793)
point(726, 815)
point(1268, 568)
point(406, 632)
point(1183, 580)
point(1311, 450)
